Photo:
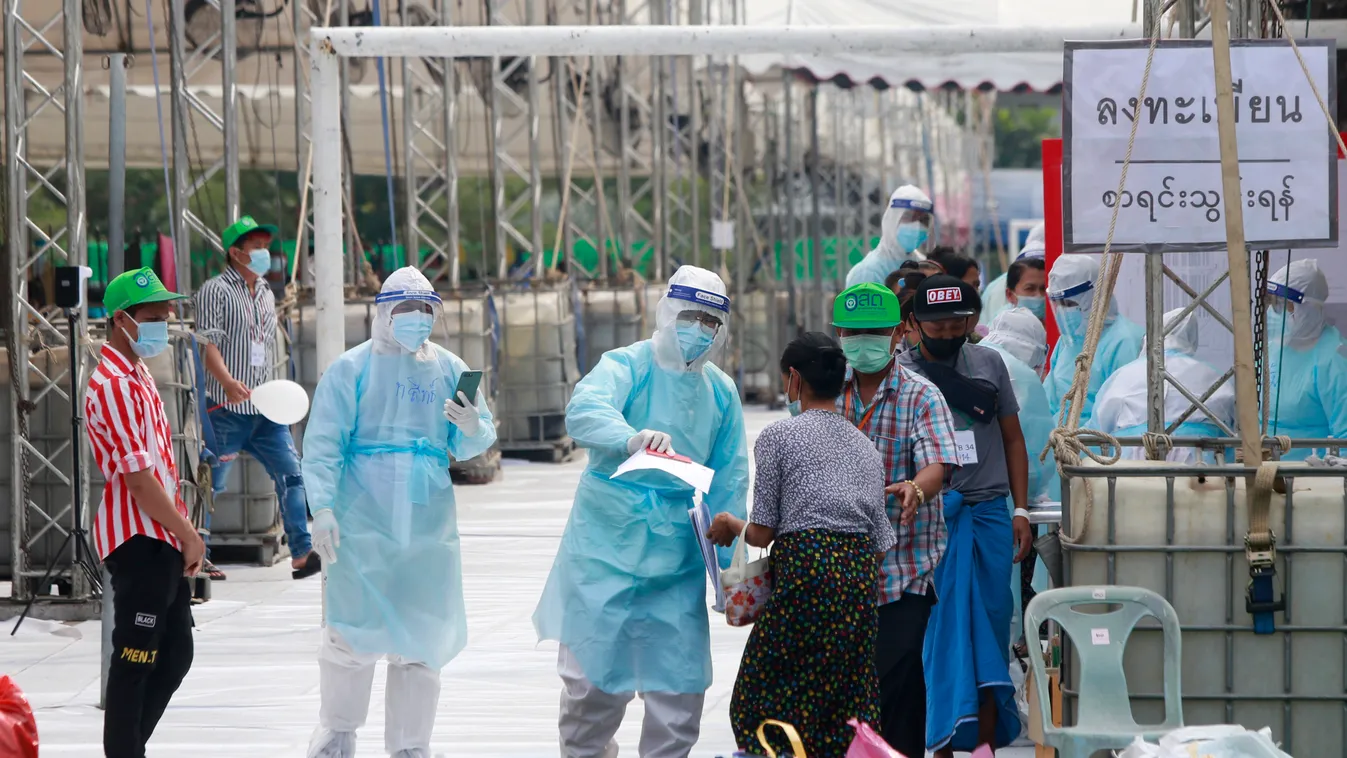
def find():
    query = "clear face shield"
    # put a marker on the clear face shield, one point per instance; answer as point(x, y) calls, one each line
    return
point(1071, 308)
point(1282, 299)
point(697, 318)
point(915, 222)
point(406, 318)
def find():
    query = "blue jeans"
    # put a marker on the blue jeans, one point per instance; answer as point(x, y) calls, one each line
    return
point(273, 447)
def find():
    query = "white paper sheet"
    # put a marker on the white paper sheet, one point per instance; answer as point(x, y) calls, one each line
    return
point(700, 516)
point(696, 475)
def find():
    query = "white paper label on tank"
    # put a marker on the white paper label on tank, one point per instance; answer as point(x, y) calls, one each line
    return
point(722, 235)
point(1099, 636)
point(1098, 594)
point(967, 447)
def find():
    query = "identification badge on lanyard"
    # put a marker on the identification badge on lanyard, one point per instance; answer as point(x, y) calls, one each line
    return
point(258, 354)
point(966, 445)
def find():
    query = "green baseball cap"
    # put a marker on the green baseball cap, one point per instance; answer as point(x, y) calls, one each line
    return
point(866, 306)
point(136, 288)
point(244, 226)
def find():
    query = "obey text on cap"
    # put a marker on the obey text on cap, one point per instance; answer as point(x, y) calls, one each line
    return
point(938, 295)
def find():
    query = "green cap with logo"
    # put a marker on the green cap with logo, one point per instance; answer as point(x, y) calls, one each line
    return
point(866, 306)
point(136, 288)
point(243, 227)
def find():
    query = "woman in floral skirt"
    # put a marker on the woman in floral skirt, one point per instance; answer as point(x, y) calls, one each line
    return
point(819, 497)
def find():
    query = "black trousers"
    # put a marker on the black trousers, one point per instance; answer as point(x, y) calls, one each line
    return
point(902, 678)
point(151, 641)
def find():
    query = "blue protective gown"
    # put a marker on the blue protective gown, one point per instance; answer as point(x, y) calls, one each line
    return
point(1119, 345)
point(1035, 420)
point(376, 451)
point(1309, 391)
point(627, 593)
point(993, 300)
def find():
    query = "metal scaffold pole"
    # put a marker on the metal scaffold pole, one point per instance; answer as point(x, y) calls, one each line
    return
point(44, 484)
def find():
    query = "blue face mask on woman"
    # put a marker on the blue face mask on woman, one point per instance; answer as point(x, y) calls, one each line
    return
point(152, 339)
point(694, 339)
point(411, 330)
point(1036, 305)
point(793, 406)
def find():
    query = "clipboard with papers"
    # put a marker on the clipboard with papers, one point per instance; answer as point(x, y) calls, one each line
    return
point(700, 516)
point(699, 478)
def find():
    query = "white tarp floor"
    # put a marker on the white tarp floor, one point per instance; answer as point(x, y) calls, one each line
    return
point(253, 688)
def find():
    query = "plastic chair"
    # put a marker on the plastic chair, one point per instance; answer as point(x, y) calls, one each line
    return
point(1104, 711)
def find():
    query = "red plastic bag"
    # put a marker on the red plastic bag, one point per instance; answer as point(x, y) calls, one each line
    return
point(18, 728)
point(868, 744)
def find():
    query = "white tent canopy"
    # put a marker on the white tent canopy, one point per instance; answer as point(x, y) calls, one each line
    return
point(1002, 71)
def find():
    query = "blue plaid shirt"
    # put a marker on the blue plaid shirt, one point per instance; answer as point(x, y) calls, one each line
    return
point(912, 428)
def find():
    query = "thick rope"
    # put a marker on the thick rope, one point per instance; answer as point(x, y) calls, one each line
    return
point(1064, 441)
point(1157, 445)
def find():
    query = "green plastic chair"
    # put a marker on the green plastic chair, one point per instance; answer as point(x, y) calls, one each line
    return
point(1104, 711)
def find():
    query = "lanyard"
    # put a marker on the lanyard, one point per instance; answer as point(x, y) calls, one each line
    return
point(849, 407)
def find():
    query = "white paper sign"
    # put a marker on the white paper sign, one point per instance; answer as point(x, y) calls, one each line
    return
point(722, 235)
point(967, 446)
point(1099, 636)
point(1173, 197)
point(696, 475)
point(258, 354)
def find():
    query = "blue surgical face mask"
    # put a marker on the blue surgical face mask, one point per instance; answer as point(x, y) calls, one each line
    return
point(152, 339)
point(259, 261)
point(911, 236)
point(411, 330)
point(1070, 322)
point(792, 406)
point(1036, 305)
point(694, 339)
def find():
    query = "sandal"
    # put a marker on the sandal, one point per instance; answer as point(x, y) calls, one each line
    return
point(312, 565)
point(210, 570)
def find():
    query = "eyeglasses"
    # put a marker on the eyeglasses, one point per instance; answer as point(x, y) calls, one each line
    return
point(702, 318)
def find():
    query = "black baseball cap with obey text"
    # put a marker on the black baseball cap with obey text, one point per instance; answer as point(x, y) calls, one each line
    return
point(943, 296)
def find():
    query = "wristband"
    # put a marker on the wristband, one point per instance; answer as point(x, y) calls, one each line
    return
point(921, 496)
point(1022, 513)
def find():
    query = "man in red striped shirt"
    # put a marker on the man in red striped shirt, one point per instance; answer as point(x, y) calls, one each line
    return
point(142, 531)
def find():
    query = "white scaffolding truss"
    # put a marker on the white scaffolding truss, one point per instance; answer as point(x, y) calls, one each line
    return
point(527, 43)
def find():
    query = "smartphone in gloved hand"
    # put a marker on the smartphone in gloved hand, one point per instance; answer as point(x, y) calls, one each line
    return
point(468, 384)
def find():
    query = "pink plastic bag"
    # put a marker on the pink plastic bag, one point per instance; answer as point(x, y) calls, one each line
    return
point(867, 744)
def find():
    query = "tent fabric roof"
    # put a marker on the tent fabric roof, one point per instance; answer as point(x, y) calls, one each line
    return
point(1002, 71)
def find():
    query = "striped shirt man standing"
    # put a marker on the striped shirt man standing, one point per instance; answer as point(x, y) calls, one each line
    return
point(236, 316)
point(142, 531)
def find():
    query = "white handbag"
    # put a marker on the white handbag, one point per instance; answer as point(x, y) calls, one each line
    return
point(747, 585)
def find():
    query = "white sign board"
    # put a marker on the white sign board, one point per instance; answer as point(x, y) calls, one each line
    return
point(1172, 200)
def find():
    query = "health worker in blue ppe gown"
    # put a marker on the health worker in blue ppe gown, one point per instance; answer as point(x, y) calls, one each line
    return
point(627, 594)
point(385, 423)
point(1023, 283)
point(1071, 294)
point(1120, 409)
point(1309, 370)
point(904, 230)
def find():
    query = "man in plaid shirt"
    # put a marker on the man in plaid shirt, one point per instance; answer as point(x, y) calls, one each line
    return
point(911, 426)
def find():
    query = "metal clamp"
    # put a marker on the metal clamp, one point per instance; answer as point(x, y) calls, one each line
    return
point(1260, 599)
